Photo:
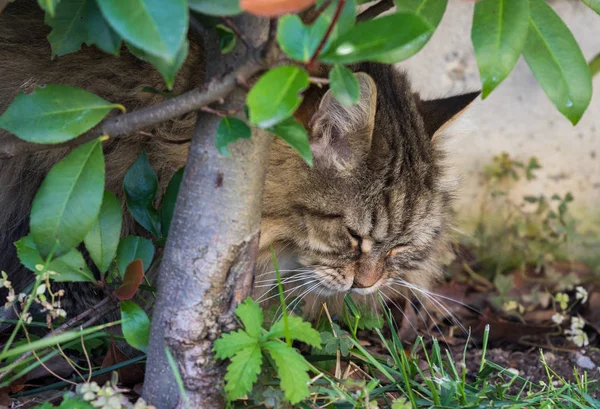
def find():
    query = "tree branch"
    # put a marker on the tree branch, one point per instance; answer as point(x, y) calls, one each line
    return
point(336, 16)
point(126, 124)
point(375, 10)
point(209, 257)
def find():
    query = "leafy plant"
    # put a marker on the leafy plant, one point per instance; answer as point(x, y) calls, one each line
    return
point(247, 347)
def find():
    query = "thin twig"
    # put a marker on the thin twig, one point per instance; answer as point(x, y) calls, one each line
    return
point(98, 310)
point(315, 15)
point(336, 16)
point(375, 10)
point(147, 117)
point(43, 364)
point(271, 37)
point(317, 80)
point(231, 25)
point(87, 358)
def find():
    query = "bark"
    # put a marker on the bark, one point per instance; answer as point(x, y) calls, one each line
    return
point(210, 253)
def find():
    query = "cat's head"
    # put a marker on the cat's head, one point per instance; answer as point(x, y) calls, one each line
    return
point(375, 208)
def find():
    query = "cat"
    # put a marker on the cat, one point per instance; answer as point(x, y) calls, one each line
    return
point(371, 216)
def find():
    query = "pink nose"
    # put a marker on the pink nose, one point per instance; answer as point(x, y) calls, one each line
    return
point(367, 274)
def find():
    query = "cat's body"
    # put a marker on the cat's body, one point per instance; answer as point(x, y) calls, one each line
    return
point(374, 210)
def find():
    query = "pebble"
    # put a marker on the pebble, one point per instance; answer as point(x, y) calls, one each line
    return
point(584, 362)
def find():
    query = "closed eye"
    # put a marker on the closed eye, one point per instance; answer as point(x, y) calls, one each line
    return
point(398, 249)
point(355, 238)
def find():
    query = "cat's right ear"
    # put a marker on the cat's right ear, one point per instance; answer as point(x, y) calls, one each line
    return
point(439, 113)
point(341, 135)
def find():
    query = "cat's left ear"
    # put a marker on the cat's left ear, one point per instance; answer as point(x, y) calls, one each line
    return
point(341, 135)
point(439, 113)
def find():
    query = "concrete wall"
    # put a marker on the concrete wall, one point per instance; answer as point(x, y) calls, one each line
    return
point(517, 117)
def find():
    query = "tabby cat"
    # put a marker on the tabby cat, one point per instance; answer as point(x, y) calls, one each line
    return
point(372, 215)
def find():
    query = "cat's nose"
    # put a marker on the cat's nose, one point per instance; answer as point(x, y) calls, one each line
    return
point(367, 277)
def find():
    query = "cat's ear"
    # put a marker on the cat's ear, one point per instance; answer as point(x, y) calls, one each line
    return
point(439, 113)
point(341, 135)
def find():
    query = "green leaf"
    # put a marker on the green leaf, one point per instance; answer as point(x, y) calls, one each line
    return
point(168, 70)
point(300, 41)
point(230, 130)
point(431, 11)
point(298, 329)
point(135, 325)
point(167, 204)
point(331, 344)
point(54, 114)
point(67, 203)
point(231, 343)
point(73, 402)
point(131, 248)
point(49, 6)
point(227, 38)
point(276, 95)
point(499, 32)
point(242, 371)
point(371, 40)
point(593, 4)
point(344, 85)
point(99, 32)
point(103, 238)
point(68, 27)
point(296, 136)
point(140, 185)
point(155, 26)
point(557, 62)
point(251, 315)
point(28, 253)
point(292, 370)
point(216, 8)
point(71, 267)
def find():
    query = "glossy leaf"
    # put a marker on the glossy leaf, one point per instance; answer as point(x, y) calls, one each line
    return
point(371, 40)
point(499, 32)
point(71, 267)
point(49, 6)
point(216, 8)
point(54, 114)
point(227, 38)
point(99, 32)
point(134, 275)
point(68, 201)
point(274, 8)
point(103, 238)
point(276, 95)
point(168, 70)
point(135, 325)
point(167, 204)
point(230, 130)
point(242, 371)
point(593, 4)
point(28, 253)
point(300, 41)
point(296, 136)
point(68, 27)
point(557, 62)
point(292, 370)
point(132, 248)
point(431, 11)
point(344, 85)
point(140, 185)
point(155, 26)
